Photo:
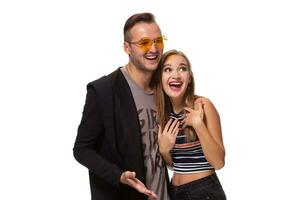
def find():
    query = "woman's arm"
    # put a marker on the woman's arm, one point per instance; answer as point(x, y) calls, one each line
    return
point(206, 122)
point(167, 158)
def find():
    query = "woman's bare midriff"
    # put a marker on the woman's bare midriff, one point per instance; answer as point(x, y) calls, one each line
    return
point(180, 179)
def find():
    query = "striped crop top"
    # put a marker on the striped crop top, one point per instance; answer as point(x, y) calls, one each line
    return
point(187, 157)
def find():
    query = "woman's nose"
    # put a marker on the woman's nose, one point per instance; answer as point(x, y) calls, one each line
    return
point(175, 74)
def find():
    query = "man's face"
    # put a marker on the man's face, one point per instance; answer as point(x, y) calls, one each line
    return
point(144, 59)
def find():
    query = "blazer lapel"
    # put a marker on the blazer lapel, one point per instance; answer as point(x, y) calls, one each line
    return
point(129, 134)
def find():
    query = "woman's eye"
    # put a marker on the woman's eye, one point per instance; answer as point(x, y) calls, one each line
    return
point(182, 68)
point(167, 69)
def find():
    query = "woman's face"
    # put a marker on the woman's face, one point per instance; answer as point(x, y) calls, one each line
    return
point(175, 77)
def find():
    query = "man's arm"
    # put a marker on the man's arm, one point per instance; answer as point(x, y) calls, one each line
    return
point(90, 133)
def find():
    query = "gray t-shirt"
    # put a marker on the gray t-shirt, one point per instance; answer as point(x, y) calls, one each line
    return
point(154, 165)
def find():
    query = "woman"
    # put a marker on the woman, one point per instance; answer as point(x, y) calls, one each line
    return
point(190, 137)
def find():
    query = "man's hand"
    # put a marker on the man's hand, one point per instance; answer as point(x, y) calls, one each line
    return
point(129, 178)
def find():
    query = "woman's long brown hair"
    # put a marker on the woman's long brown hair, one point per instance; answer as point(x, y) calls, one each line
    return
point(163, 103)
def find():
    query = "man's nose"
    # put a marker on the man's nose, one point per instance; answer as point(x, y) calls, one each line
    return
point(153, 47)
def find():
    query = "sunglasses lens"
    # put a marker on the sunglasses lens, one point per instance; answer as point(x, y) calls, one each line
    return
point(145, 44)
point(160, 43)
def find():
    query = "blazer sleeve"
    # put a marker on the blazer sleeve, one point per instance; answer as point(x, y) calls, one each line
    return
point(90, 134)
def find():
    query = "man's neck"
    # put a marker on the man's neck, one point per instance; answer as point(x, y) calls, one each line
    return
point(141, 78)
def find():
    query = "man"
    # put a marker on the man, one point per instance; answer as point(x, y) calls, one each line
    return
point(117, 136)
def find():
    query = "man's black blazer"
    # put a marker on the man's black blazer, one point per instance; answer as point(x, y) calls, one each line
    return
point(109, 140)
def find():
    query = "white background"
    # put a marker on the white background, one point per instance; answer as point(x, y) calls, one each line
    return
point(244, 54)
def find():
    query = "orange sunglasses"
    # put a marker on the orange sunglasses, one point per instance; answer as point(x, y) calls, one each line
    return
point(146, 43)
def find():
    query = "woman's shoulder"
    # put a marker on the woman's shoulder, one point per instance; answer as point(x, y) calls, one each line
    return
point(202, 99)
point(205, 102)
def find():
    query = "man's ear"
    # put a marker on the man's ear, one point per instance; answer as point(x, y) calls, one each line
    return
point(126, 47)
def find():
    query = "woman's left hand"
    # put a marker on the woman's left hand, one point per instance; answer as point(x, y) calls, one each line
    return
point(194, 117)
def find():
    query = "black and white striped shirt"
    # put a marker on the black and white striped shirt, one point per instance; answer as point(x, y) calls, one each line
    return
point(187, 157)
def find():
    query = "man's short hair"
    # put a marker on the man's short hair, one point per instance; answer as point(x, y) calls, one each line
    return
point(134, 19)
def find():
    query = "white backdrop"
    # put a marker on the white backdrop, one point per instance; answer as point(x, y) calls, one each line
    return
point(244, 54)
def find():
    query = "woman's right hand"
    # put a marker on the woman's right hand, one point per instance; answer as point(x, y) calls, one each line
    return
point(167, 137)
